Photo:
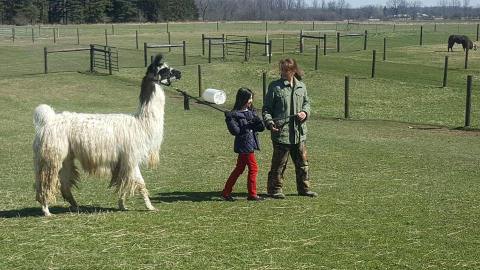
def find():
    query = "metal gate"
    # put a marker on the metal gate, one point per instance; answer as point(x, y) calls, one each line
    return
point(104, 57)
point(236, 48)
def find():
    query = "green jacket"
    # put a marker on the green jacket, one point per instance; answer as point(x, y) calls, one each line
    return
point(278, 104)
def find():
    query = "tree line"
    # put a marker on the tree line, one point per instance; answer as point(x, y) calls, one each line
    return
point(329, 10)
point(22, 12)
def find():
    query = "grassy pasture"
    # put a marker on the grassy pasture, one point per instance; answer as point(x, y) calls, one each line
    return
point(398, 183)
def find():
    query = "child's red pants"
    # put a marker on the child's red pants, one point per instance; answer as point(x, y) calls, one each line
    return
point(244, 159)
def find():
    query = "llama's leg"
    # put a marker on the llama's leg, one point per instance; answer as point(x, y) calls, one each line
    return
point(121, 202)
point(69, 177)
point(143, 189)
point(46, 183)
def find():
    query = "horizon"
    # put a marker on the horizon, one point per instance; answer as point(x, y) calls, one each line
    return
point(363, 3)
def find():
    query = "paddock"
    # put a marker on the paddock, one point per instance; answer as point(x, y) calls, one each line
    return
point(394, 158)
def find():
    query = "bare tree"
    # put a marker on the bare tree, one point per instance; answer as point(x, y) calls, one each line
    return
point(202, 6)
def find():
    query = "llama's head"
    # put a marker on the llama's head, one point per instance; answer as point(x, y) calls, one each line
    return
point(160, 72)
point(157, 73)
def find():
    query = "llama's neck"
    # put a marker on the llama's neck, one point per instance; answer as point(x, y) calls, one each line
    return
point(153, 110)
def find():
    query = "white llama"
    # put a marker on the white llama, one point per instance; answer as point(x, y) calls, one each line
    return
point(103, 143)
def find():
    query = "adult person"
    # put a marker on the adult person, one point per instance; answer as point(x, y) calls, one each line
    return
point(286, 109)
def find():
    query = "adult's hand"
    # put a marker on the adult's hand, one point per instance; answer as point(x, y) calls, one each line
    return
point(272, 127)
point(301, 116)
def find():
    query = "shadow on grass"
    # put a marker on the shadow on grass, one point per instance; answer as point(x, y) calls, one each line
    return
point(37, 211)
point(192, 196)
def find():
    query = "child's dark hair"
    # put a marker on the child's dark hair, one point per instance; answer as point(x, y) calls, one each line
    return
point(243, 95)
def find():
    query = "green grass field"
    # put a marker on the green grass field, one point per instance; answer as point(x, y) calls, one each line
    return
point(398, 182)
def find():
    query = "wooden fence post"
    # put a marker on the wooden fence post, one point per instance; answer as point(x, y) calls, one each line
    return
point(209, 51)
point(13, 34)
point(384, 49)
point(264, 88)
point(45, 56)
point(91, 57)
point(199, 81)
point(145, 58)
point(338, 42)
point(203, 44)
point(316, 57)
point(54, 36)
point(324, 44)
point(109, 60)
point(169, 41)
point(270, 50)
point(246, 50)
point(184, 53)
point(223, 47)
point(374, 56)
point(466, 58)
point(365, 41)
point(445, 72)
point(421, 35)
point(136, 39)
point(33, 36)
point(78, 36)
point(106, 38)
point(478, 29)
point(301, 41)
point(346, 103)
point(468, 105)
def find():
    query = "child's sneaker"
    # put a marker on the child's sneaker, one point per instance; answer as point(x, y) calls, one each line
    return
point(255, 198)
point(228, 198)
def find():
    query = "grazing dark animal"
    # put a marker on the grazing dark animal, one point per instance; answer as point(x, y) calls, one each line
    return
point(467, 44)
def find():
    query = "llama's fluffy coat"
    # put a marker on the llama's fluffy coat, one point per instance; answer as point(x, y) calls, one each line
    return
point(103, 143)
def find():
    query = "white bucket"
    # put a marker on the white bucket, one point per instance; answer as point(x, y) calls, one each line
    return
point(214, 96)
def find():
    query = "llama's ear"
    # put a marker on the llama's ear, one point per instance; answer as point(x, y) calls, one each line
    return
point(158, 59)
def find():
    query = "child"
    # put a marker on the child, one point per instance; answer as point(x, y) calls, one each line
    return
point(243, 123)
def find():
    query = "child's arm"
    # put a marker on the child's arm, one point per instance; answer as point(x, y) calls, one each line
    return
point(257, 124)
point(232, 124)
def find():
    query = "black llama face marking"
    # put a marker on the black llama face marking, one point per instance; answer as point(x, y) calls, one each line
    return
point(166, 74)
point(157, 73)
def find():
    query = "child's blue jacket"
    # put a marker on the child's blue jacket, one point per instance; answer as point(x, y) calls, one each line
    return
point(244, 125)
